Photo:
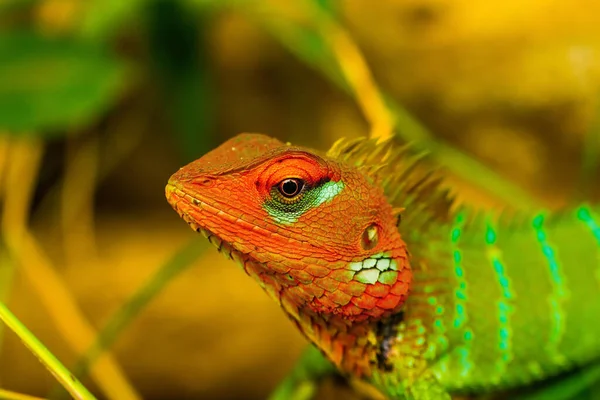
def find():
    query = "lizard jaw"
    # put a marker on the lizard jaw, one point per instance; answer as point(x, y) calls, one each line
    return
point(175, 195)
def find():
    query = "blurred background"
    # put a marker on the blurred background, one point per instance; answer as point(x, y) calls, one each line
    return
point(102, 100)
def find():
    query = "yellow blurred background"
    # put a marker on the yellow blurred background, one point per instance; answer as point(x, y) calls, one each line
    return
point(102, 100)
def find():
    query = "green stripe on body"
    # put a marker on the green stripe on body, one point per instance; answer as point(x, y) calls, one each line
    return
point(461, 316)
point(559, 294)
point(504, 304)
point(584, 214)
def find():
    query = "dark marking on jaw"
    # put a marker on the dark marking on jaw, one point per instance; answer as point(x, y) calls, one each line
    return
point(387, 332)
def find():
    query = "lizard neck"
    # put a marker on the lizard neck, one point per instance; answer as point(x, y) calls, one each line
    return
point(354, 347)
point(357, 346)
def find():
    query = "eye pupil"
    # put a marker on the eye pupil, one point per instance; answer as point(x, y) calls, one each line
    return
point(290, 187)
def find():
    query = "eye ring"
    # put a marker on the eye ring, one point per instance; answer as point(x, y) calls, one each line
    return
point(290, 187)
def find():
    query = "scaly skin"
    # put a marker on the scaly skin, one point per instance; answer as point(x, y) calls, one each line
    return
point(477, 306)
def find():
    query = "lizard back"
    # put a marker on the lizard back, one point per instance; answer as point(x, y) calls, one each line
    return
point(496, 303)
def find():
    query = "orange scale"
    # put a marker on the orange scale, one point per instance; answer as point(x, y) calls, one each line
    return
point(278, 267)
point(375, 312)
point(311, 260)
point(365, 301)
point(313, 290)
point(400, 288)
point(327, 283)
point(342, 275)
point(353, 288)
point(377, 290)
point(389, 302)
point(340, 297)
point(338, 352)
point(302, 276)
point(292, 255)
point(317, 270)
point(327, 303)
point(361, 317)
point(298, 293)
point(325, 339)
point(351, 309)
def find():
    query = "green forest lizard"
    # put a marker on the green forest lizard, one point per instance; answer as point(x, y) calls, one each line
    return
point(393, 283)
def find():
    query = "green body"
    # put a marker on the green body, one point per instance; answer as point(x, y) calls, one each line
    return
point(502, 305)
point(498, 305)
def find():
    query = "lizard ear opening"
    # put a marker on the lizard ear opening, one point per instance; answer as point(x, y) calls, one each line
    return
point(370, 237)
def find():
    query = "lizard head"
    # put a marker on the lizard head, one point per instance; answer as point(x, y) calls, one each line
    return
point(316, 234)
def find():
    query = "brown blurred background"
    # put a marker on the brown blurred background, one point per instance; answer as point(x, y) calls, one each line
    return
point(101, 100)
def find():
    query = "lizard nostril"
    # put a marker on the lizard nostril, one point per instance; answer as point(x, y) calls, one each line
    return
point(203, 182)
point(369, 237)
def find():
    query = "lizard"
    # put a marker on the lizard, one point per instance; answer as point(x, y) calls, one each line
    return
point(368, 255)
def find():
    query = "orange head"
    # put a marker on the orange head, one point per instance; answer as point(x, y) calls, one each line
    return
point(318, 235)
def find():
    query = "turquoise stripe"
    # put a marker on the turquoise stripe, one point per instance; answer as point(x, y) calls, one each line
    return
point(584, 214)
point(461, 316)
point(504, 304)
point(559, 289)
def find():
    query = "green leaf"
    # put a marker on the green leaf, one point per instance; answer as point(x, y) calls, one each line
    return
point(179, 61)
point(105, 18)
point(54, 83)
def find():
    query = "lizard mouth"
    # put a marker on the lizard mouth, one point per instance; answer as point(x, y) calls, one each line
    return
point(176, 197)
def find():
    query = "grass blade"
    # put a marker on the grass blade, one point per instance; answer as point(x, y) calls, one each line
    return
point(8, 395)
point(311, 43)
point(62, 375)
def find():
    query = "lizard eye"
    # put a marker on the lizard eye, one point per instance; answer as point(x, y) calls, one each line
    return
point(290, 187)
